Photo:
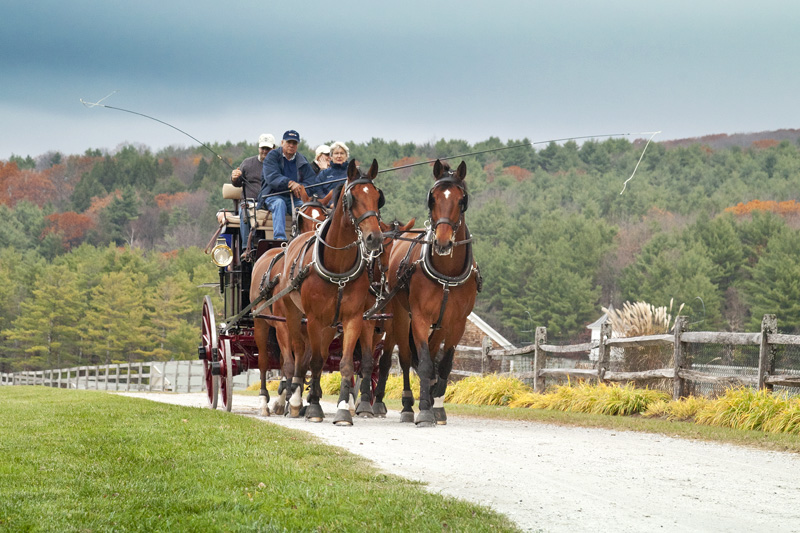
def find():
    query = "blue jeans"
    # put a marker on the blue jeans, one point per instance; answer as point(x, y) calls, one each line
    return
point(278, 206)
point(244, 222)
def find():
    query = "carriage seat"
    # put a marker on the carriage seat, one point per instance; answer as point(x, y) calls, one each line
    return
point(231, 218)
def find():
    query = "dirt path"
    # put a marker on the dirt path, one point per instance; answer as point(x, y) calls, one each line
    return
point(552, 478)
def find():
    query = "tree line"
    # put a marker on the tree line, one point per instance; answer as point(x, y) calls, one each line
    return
point(714, 229)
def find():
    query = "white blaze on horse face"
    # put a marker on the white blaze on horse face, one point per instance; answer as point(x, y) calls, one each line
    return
point(447, 194)
point(365, 189)
point(315, 213)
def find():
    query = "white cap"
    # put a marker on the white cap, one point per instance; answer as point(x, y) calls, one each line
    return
point(323, 149)
point(266, 139)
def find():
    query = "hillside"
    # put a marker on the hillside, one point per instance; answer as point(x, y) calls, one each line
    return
point(715, 228)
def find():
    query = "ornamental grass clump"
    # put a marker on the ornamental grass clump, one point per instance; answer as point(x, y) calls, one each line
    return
point(331, 383)
point(272, 385)
point(639, 319)
point(744, 408)
point(491, 389)
point(394, 386)
point(593, 398)
point(682, 409)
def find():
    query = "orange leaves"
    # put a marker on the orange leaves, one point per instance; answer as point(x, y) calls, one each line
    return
point(71, 226)
point(518, 173)
point(405, 161)
point(789, 207)
point(765, 143)
point(164, 201)
point(17, 185)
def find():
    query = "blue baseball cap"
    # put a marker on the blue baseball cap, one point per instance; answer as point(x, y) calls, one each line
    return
point(291, 135)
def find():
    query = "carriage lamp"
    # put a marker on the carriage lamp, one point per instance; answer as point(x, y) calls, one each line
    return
point(222, 255)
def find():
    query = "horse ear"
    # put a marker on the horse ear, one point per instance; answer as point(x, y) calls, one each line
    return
point(438, 168)
point(373, 169)
point(406, 227)
point(303, 195)
point(461, 171)
point(352, 170)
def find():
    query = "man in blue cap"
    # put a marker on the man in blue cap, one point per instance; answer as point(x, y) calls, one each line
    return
point(284, 170)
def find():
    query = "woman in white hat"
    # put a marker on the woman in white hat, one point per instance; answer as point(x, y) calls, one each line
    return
point(322, 159)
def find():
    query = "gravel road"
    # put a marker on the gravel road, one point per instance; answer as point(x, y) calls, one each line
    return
point(552, 478)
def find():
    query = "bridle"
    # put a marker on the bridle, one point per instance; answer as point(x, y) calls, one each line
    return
point(447, 180)
point(314, 202)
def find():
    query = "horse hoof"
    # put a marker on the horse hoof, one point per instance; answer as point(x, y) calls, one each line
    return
point(294, 411)
point(278, 409)
point(407, 417)
point(379, 409)
point(314, 413)
point(425, 419)
point(343, 418)
point(440, 416)
point(265, 411)
point(364, 410)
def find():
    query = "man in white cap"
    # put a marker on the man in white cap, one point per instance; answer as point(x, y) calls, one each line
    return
point(248, 176)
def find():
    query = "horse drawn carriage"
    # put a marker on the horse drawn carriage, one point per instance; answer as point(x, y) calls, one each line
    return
point(315, 304)
point(228, 347)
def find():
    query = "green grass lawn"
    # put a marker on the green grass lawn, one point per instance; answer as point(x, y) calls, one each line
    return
point(92, 461)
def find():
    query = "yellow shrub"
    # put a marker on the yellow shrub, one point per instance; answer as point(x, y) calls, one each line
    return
point(331, 383)
point(394, 386)
point(485, 390)
point(272, 385)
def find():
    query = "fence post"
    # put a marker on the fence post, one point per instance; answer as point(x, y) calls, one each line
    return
point(189, 377)
point(486, 345)
point(766, 352)
point(539, 358)
point(678, 384)
point(164, 376)
point(603, 351)
point(175, 383)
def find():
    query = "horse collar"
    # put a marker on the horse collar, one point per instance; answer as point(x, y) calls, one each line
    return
point(435, 275)
point(338, 278)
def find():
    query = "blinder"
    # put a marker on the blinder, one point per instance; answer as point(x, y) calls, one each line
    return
point(347, 200)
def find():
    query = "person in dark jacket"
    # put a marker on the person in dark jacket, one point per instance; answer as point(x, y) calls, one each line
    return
point(284, 171)
point(337, 169)
point(248, 176)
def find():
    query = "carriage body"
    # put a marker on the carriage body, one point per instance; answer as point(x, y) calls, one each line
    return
point(228, 347)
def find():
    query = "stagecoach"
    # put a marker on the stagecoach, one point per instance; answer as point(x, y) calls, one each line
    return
point(228, 346)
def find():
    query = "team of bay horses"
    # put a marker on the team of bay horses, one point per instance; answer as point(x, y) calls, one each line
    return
point(336, 277)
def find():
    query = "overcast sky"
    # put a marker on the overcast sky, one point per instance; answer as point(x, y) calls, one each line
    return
point(407, 71)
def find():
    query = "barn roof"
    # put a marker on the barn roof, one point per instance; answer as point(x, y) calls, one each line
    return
point(490, 331)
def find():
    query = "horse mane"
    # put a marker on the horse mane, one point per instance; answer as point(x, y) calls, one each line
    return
point(337, 192)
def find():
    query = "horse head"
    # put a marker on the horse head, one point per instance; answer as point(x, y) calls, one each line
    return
point(312, 211)
point(447, 201)
point(361, 202)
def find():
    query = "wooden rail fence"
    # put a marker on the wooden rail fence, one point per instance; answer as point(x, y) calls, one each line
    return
point(767, 340)
point(164, 376)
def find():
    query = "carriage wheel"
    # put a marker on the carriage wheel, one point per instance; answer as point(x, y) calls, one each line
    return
point(210, 345)
point(226, 373)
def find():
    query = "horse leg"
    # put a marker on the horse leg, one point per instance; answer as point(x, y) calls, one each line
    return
point(385, 364)
point(350, 334)
point(261, 335)
point(425, 416)
point(364, 408)
point(287, 367)
point(318, 337)
point(437, 391)
point(299, 346)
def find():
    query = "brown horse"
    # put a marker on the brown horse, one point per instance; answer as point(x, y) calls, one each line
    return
point(327, 271)
point(310, 214)
point(437, 281)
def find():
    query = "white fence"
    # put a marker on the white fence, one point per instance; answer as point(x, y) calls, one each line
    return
point(166, 376)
